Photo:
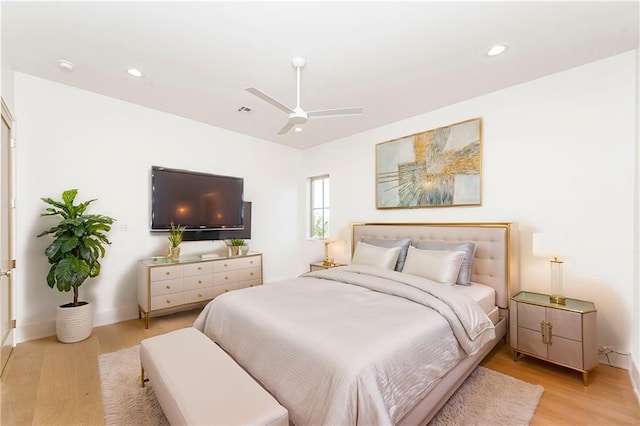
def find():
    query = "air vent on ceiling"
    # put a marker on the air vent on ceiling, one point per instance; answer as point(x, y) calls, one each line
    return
point(245, 110)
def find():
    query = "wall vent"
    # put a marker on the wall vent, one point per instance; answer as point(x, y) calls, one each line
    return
point(245, 110)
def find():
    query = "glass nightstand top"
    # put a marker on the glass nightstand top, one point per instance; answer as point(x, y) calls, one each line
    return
point(543, 300)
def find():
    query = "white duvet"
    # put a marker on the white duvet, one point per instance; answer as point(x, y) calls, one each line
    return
point(346, 346)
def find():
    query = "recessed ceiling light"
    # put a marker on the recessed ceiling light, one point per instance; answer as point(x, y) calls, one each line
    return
point(496, 50)
point(65, 65)
point(298, 129)
point(134, 72)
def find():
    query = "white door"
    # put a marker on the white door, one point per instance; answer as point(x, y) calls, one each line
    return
point(7, 262)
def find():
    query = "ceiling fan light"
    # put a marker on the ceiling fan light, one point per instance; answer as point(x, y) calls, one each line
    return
point(496, 50)
point(297, 129)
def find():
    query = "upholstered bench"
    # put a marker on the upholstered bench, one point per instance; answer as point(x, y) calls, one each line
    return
point(197, 383)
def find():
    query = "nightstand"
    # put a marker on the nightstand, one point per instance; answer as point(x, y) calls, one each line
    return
point(562, 334)
point(316, 266)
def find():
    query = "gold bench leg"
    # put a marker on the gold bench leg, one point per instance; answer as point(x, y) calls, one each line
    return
point(141, 376)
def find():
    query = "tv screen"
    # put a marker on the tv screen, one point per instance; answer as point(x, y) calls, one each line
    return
point(199, 201)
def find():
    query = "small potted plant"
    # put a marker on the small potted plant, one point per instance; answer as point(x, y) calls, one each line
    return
point(235, 245)
point(79, 241)
point(175, 238)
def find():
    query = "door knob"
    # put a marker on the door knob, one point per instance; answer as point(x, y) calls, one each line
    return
point(5, 273)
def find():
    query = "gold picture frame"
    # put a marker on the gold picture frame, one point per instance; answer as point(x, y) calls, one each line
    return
point(436, 168)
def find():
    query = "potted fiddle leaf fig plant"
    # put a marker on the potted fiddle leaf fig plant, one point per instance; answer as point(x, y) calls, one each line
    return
point(79, 241)
point(175, 238)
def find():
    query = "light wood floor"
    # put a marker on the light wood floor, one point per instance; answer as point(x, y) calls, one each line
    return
point(47, 382)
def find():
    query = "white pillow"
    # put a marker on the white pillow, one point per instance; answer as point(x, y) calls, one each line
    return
point(366, 254)
point(437, 265)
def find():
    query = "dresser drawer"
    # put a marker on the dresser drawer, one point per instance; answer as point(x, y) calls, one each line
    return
point(225, 265)
point(249, 262)
point(167, 301)
point(166, 273)
point(221, 289)
point(250, 274)
point(198, 282)
point(166, 287)
point(200, 295)
point(198, 269)
point(227, 277)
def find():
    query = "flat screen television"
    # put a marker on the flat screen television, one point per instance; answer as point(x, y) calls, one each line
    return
point(198, 201)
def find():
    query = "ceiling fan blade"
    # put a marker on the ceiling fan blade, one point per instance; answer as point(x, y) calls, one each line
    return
point(334, 112)
point(286, 128)
point(269, 99)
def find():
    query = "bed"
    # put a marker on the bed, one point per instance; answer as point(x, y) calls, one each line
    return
point(367, 344)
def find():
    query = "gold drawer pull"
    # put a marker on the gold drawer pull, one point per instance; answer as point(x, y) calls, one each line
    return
point(226, 278)
point(199, 295)
point(250, 285)
point(225, 265)
point(251, 273)
point(168, 301)
point(199, 281)
point(168, 273)
point(168, 287)
point(251, 262)
point(226, 290)
point(199, 268)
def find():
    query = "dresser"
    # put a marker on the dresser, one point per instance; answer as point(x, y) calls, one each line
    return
point(562, 334)
point(164, 287)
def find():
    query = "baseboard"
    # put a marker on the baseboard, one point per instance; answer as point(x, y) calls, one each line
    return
point(114, 315)
point(40, 330)
point(34, 331)
point(635, 380)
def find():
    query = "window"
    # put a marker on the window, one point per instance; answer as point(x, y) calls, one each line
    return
point(319, 191)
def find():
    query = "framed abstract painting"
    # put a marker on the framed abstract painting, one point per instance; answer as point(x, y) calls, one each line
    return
point(437, 168)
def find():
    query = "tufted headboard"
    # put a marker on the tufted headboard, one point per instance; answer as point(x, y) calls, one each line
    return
point(496, 260)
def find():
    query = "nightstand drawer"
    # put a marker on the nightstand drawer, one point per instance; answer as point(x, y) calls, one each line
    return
point(529, 316)
point(531, 341)
point(566, 324)
point(565, 351)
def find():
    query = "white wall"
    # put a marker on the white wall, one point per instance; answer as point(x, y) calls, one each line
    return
point(70, 138)
point(558, 157)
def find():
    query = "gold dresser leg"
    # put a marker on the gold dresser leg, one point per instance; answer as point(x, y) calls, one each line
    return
point(141, 376)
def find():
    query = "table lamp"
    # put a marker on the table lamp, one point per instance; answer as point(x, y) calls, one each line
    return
point(543, 245)
point(327, 260)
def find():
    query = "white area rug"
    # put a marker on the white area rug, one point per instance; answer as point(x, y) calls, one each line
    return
point(485, 398)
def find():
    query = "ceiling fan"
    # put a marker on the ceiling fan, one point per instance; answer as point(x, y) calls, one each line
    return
point(297, 115)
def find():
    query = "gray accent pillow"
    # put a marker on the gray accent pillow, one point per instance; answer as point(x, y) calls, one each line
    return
point(403, 244)
point(468, 247)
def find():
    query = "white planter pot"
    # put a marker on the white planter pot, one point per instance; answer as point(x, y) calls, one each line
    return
point(74, 323)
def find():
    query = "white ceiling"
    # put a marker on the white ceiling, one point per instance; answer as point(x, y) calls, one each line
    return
point(394, 59)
